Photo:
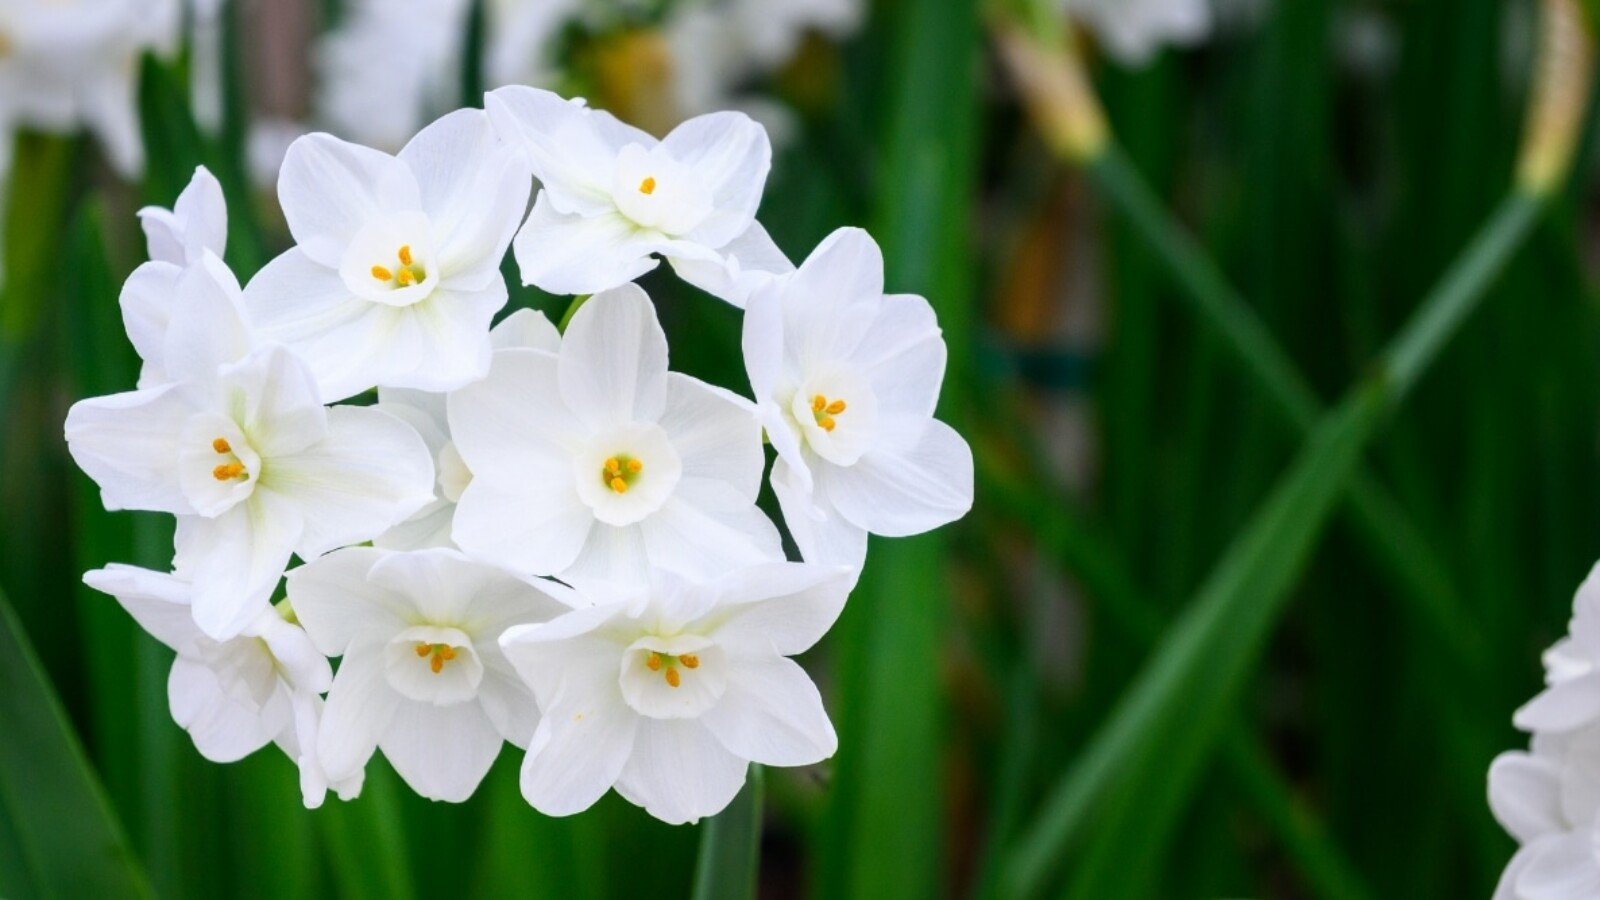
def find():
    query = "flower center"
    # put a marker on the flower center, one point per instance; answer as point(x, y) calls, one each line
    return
point(231, 469)
point(648, 185)
point(620, 472)
point(667, 665)
point(823, 410)
point(406, 274)
point(440, 653)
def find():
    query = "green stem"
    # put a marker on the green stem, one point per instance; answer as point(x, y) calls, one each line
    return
point(572, 310)
point(730, 846)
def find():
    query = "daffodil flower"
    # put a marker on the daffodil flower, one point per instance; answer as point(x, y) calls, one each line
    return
point(846, 380)
point(395, 278)
point(595, 464)
point(422, 675)
point(254, 467)
point(237, 695)
point(613, 197)
point(668, 693)
point(196, 223)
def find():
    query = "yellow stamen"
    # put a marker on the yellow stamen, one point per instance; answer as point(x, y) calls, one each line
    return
point(819, 403)
point(447, 652)
point(437, 664)
point(647, 186)
point(618, 485)
point(826, 424)
point(635, 466)
point(228, 471)
point(835, 407)
point(221, 445)
point(423, 649)
point(405, 254)
point(673, 678)
point(613, 466)
point(405, 278)
point(653, 661)
point(382, 274)
point(690, 661)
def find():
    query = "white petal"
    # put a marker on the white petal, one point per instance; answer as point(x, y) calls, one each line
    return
point(708, 528)
point(738, 269)
point(903, 354)
point(578, 752)
point(146, 302)
point(207, 329)
point(442, 752)
point(128, 443)
point(274, 398)
point(715, 434)
point(822, 535)
point(514, 413)
point(730, 155)
point(1523, 793)
point(508, 703)
point(235, 560)
point(474, 190)
point(329, 189)
point(612, 557)
point(448, 587)
point(830, 302)
point(761, 341)
point(526, 329)
point(532, 528)
point(613, 361)
point(564, 657)
point(224, 730)
point(302, 303)
point(772, 714)
point(572, 149)
point(1565, 868)
point(370, 473)
point(1562, 706)
point(197, 222)
point(1506, 888)
point(568, 253)
point(679, 772)
point(339, 606)
point(360, 707)
point(780, 607)
point(159, 602)
point(905, 487)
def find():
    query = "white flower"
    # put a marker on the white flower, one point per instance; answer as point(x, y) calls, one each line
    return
point(668, 694)
point(430, 526)
point(596, 464)
point(846, 380)
point(521, 40)
point(1133, 30)
point(423, 676)
point(65, 64)
point(255, 469)
point(185, 321)
point(396, 274)
point(198, 222)
point(1571, 698)
point(1549, 800)
point(234, 696)
point(613, 197)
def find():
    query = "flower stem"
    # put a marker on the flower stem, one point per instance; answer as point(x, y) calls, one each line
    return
point(572, 310)
point(730, 846)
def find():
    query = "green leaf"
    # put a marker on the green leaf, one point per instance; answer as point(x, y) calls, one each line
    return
point(730, 846)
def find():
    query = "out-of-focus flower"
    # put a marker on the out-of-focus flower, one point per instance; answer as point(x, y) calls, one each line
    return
point(669, 693)
point(521, 39)
point(1549, 800)
point(614, 197)
point(198, 222)
point(846, 380)
point(236, 695)
point(267, 145)
point(430, 527)
point(1571, 698)
point(68, 64)
point(395, 277)
point(595, 464)
point(253, 466)
point(1133, 30)
point(423, 677)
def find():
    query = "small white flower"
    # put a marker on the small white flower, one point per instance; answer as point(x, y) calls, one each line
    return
point(396, 274)
point(846, 380)
point(668, 694)
point(234, 696)
point(1133, 30)
point(430, 527)
point(198, 222)
point(613, 197)
point(596, 464)
point(65, 64)
point(1549, 800)
point(423, 676)
point(185, 321)
point(1571, 698)
point(255, 469)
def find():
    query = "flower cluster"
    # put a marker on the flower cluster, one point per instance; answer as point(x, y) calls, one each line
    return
point(1549, 797)
point(507, 533)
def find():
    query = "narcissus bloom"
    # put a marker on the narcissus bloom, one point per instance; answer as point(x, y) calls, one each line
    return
point(846, 380)
point(186, 320)
point(254, 467)
point(596, 464)
point(234, 696)
point(197, 223)
point(423, 676)
point(668, 694)
point(613, 197)
point(396, 274)
point(1549, 800)
point(430, 526)
point(1571, 698)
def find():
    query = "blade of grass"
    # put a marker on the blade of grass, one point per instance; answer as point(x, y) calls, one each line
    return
point(365, 841)
point(730, 846)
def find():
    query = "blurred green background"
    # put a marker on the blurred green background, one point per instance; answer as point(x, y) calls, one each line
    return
point(1179, 649)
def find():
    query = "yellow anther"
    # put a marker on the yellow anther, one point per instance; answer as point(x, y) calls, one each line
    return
point(835, 407)
point(221, 445)
point(673, 678)
point(382, 274)
point(690, 661)
point(635, 466)
point(618, 485)
point(653, 661)
point(819, 403)
point(227, 471)
point(423, 649)
point(613, 467)
point(437, 663)
point(405, 278)
point(440, 653)
point(647, 186)
point(405, 254)
point(826, 424)
point(447, 652)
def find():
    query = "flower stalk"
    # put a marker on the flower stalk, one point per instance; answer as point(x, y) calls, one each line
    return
point(1560, 97)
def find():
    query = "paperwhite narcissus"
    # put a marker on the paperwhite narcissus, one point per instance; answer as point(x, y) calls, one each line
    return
point(66, 64)
point(423, 677)
point(254, 467)
point(185, 320)
point(613, 197)
point(1571, 698)
point(846, 380)
point(596, 464)
point(1549, 800)
point(430, 526)
point(668, 694)
point(234, 696)
point(198, 222)
point(395, 277)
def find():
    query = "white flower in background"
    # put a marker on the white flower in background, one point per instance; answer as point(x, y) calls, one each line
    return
point(668, 694)
point(1571, 698)
point(596, 464)
point(846, 380)
point(66, 64)
point(268, 143)
point(1133, 30)
point(234, 696)
point(521, 36)
point(396, 274)
point(720, 46)
point(253, 466)
point(430, 527)
point(423, 677)
point(185, 320)
point(198, 222)
point(613, 197)
point(1549, 800)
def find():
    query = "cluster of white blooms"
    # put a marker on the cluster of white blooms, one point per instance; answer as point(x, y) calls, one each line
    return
point(531, 536)
point(1549, 797)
